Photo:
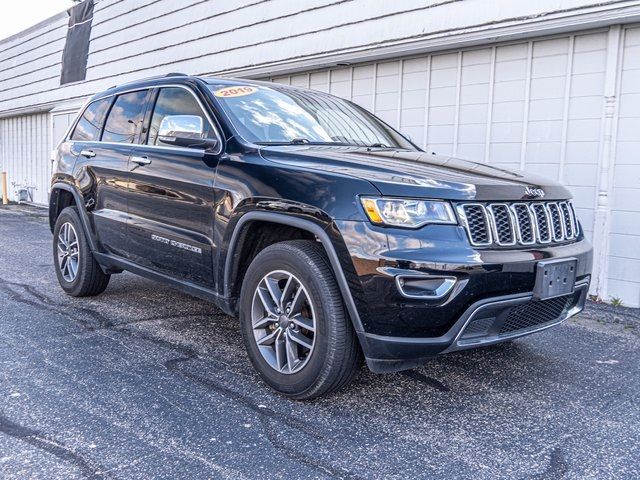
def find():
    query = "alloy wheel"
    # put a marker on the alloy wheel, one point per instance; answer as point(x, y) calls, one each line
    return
point(283, 322)
point(68, 252)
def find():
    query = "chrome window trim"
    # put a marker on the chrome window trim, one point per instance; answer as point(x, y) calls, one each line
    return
point(517, 224)
point(144, 145)
point(149, 87)
point(465, 223)
point(494, 225)
point(537, 222)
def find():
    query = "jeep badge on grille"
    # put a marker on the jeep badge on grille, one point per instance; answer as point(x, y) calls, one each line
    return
point(534, 192)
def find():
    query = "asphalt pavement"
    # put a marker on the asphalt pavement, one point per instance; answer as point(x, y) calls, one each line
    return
point(146, 382)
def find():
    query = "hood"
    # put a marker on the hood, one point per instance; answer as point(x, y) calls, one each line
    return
point(417, 174)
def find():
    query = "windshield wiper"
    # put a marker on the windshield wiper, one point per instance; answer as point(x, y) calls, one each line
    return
point(299, 141)
point(378, 145)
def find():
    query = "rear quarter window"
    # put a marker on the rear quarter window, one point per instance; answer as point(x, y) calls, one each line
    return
point(88, 127)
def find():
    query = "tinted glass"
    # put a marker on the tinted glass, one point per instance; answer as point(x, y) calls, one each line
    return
point(176, 101)
point(88, 127)
point(282, 115)
point(125, 117)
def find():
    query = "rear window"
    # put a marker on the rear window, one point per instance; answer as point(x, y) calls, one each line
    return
point(125, 117)
point(88, 127)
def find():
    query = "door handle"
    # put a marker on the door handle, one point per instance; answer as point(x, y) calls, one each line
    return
point(88, 153)
point(144, 160)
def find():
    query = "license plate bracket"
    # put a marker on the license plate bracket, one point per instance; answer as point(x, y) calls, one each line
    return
point(555, 278)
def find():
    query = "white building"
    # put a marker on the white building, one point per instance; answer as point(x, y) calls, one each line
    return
point(550, 86)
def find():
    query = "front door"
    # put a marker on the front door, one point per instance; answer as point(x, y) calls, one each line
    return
point(171, 202)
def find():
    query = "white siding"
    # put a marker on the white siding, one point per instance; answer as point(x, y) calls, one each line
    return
point(25, 150)
point(624, 266)
point(130, 40)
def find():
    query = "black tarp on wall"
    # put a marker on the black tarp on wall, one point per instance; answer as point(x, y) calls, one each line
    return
point(76, 48)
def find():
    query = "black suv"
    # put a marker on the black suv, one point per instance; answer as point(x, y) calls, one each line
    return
point(329, 234)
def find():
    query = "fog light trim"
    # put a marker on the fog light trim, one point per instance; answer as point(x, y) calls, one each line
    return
point(433, 287)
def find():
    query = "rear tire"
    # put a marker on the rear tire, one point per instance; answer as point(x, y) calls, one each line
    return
point(78, 273)
point(312, 352)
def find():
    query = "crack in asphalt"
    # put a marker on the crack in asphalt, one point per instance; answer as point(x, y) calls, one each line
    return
point(186, 354)
point(88, 467)
point(62, 309)
point(266, 414)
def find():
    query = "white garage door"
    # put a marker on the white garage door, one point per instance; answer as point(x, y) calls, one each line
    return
point(25, 149)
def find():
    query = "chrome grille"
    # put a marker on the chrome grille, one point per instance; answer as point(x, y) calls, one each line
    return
point(556, 222)
point(477, 224)
point(542, 221)
point(524, 224)
point(567, 219)
point(503, 231)
point(521, 223)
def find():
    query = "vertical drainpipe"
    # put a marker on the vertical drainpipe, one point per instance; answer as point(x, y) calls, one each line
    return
point(602, 221)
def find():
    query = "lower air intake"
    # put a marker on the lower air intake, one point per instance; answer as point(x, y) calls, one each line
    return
point(534, 313)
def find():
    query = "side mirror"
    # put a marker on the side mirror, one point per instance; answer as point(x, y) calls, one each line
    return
point(184, 131)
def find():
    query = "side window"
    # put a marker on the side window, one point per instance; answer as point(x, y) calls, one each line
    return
point(88, 127)
point(176, 101)
point(125, 117)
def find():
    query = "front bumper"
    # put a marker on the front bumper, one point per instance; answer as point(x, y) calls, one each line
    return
point(486, 322)
point(493, 289)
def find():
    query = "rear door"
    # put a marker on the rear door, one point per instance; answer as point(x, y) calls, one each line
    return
point(171, 201)
point(103, 170)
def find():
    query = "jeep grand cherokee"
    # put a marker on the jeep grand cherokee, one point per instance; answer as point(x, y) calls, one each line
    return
point(330, 235)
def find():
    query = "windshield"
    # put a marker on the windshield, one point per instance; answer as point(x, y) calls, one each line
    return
point(274, 116)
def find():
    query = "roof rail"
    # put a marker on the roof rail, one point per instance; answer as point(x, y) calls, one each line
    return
point(171, 74)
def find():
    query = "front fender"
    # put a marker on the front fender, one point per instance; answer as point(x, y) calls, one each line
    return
point(318, 229)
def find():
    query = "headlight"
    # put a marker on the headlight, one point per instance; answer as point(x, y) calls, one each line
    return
point(406, 212)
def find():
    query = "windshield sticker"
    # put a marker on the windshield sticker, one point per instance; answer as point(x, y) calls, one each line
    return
point(230, 92)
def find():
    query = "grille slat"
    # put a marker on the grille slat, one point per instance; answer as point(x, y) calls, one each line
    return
point(542, 222)
point(556, 222)
point(502, 223)
point(519, 223)
point(524, 224)
point(567, 219)
point(477, 224)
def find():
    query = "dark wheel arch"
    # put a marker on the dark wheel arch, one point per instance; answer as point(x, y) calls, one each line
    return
point(302, 224)
point(57, 203)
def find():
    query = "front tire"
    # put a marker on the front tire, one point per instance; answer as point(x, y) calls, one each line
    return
point(294, 325)
point(78, 273)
